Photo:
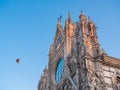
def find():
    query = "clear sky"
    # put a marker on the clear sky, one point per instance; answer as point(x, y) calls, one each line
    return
point(27, 28)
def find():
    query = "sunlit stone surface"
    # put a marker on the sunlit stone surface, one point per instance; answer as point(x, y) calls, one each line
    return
point(84, 66)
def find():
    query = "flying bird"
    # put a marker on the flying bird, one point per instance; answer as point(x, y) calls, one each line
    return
point(17, 60)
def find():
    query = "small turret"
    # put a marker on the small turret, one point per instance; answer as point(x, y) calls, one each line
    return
point(88, 30)
point(69, 34)
point(59, 26)
point(82, 17)
point(69, 18)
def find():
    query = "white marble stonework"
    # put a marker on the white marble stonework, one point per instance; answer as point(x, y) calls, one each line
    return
point(84, 65)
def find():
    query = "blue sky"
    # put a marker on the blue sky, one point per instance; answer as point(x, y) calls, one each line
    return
point(27, 28)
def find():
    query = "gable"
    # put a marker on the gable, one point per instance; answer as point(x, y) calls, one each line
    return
point(59, 36)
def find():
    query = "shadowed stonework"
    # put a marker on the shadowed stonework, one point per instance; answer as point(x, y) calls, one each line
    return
point(76, 61)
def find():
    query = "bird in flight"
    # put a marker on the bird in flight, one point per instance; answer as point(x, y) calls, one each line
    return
point(17, 60)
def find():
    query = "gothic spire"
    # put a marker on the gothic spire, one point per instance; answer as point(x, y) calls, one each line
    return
point(69, 18)
point(59, 26)
point(59, 19)
point(82, 16)
point(69, 15)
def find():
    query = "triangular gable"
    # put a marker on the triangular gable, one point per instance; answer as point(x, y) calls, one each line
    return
point(59, 34)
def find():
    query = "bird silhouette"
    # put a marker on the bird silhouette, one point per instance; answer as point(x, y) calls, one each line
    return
point(17, 60)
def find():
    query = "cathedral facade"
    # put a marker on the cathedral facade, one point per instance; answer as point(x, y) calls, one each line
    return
point(76, 61)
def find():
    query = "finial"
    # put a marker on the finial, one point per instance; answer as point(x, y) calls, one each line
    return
point(103, 52)
point(88, 18)
point(81, 11)
point(69, 15)
point(69, 18)
point(59, 19)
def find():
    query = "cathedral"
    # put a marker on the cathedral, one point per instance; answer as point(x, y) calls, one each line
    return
point(76, 61)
